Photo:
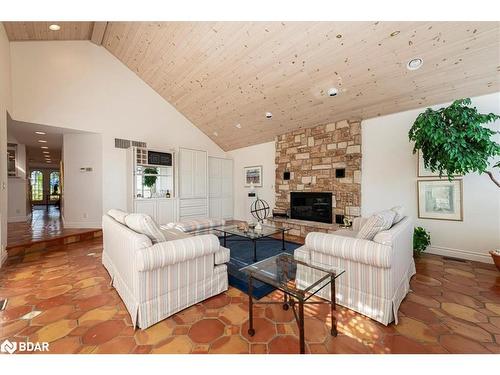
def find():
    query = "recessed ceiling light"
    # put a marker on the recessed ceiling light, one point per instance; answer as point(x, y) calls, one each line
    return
point(42, 141)
point(44, 147)
point(414, 64)
point(48, 162)
point(332, 91)
point(269, 115)
point(46, 152)
point(238, 126)
point(55, 27)
point(41, 133)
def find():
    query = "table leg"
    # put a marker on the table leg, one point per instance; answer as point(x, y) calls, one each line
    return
point(283, 240)
point(333, 306)
point(254, 250)
point(251, 331)
point(301, 327)
point(225, 239)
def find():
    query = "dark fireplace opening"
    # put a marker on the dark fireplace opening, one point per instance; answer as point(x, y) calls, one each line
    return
point(311, 206)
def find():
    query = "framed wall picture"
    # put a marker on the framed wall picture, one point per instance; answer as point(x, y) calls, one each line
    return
point(422, 171)
point(12, 160)
point(440, 199)
point(253, 176)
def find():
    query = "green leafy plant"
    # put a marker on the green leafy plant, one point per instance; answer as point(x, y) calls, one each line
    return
point(421, 239)
point(453, 140)
point(149, 181)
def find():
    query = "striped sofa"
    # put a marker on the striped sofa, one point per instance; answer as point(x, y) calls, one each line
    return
point(157, 280)
point(377, 273)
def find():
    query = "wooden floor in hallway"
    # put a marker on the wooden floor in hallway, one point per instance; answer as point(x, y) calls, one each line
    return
point(64, 297)
point(44, 224)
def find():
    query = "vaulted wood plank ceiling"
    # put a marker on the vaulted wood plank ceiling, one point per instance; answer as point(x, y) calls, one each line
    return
point(221, 74)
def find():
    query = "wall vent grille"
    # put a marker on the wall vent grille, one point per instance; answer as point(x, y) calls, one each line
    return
point(125, 143)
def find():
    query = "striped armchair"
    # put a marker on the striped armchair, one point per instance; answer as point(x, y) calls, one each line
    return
point(378, 272)
point(157, 280)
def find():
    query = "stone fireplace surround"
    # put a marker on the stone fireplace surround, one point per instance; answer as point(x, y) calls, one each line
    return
point(312, 156)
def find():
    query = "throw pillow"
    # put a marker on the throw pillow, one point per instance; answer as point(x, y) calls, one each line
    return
point(400, 214)
point(142, 223)
point(376, 223)
point(174, 234)
point(118, 215)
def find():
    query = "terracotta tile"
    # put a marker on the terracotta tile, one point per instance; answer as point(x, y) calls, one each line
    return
point(419, 312)
point(54, 331)
point(93, 302)
point(142, 349)
point(155, 334)
point(53, 314)
point(13, 313)
point(234, 314)
point(229, 345)
point(494, 307)
point(464, 312)
point(314, 330)
point(102, 332)
point(97, 315)
point(217, 302)
point(422, 300)
point(416, 330)
point(258, 348)
point(118, 345)
point(277, 314)
point(346, 345)
point(284, 345)
point(174, 345)
point(65, 345)
point(397, 344)
point(265, 330)
point(206, 331)
point(189, 315)
point(10, 329)
point(461, 345)
point(459, 298)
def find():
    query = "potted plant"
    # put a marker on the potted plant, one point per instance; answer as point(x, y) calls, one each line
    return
point(453, 140)
point(495, 254)
point(421, 239)
point(150, 178)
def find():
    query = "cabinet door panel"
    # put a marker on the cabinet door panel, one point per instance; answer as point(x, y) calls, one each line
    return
point(226, 208)
point(200, 174)
point(146, 207)
point(166, 212)
point(186, 173)
point(215, 208)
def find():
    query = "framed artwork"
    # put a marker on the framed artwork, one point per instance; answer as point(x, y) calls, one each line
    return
point(253, 176)
point(12, 160)
point(440, 199)
point(422, 171)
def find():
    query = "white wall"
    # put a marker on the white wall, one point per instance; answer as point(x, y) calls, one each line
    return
point(79, 85)
point(5, 105)
point(389, 171)
point(82, 205)
point(261, 154)
point(17, 186)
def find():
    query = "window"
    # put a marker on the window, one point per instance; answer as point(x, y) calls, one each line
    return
point(54, 183)
point(36, 180)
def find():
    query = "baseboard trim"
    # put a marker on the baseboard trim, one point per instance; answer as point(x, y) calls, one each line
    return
point(458, 253)
point(17, 219)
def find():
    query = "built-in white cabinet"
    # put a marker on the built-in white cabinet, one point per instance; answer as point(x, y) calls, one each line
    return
point(193, 186)
point(220, 177)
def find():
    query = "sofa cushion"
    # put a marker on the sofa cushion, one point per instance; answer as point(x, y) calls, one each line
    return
point(142, 223)
point(118, 215)
point(346, 233)
point(194, 225)
point(400, 213)
point(173, 234)
point(376, 223)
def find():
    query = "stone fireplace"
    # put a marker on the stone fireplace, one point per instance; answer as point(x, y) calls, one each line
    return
point(325, 158)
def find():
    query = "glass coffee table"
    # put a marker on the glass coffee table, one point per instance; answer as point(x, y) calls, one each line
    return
point(280, 271)
point(253, 235)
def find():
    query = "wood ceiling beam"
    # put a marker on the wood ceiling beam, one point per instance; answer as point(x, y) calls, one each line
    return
point(98, 32)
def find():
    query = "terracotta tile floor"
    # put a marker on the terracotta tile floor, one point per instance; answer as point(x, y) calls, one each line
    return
point(64, 297)
point(45, 224)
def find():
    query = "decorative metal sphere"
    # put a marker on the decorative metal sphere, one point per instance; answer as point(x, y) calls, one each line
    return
point(260, 209)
